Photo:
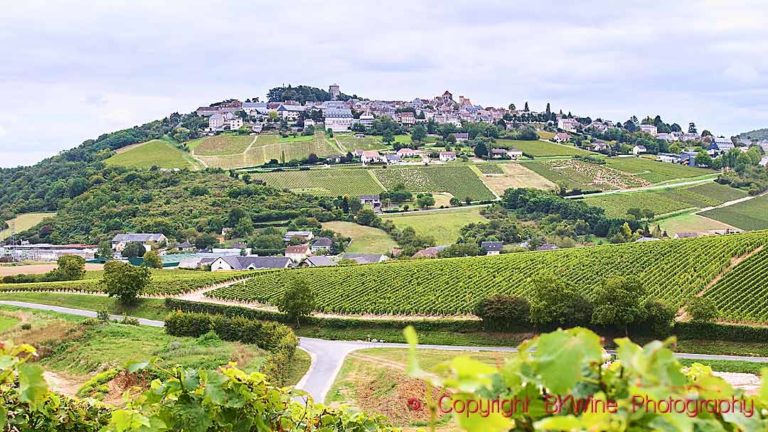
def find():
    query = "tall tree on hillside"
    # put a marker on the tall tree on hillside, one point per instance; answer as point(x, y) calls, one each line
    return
point(124, 281)
point(418, 133)
point(298, 301)
point(692, 128)
point(512, 107)
point(526, 107)
point(619, 302)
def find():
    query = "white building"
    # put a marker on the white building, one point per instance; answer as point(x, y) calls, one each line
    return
point(638, 149)
point(649, 129)
point(447, 156)
point(338, 120)
point(216, 121)
point(235, 123)
point(567, 124)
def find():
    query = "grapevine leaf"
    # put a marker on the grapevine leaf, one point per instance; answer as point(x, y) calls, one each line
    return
point(764, 387)
point(136, 366)
point(559, 423)
point(479, 421)
point(561, 355)
point(32, 385)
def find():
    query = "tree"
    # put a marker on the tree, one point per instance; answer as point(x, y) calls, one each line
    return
point(124, 281)
point(298, 301)
point(619, 302)
point(555, 302)
point(105, 250)
point(367, 217)
point(419, 133)
point(70, 267)
point(152, 260)
point(692, 128)
point(526, 107)
point(512, 107)
point(481, 150)
point(133, 250)
point(461, 250)
point(701, 309)
point(425, 200)
point(659, 318)
point(703, 159)
point(501, 312)
point(387, 136)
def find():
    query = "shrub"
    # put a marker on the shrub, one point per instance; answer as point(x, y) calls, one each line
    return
point(557, 303)
point(152, 260)
point(619, 302)
point(658, 318)
point(26, 326)
point(501, 312)
point(701, 309)
point(102, 315)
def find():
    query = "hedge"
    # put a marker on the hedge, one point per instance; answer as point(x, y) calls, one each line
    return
point(276, 338)
point(451, 325)
point(714, 331)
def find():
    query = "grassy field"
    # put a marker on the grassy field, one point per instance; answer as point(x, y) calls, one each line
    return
point(364, 239)
point(220, 145)
point(160, 153)
point(331, 182)
point(443, 225)
point(691, 223)
point(24, 222)
point(500, 177)
point(653, 171)
point(150, 308)
point(349, 142)
point(668, 200)
point(538, 148)
point(576, 174)
point(459, 181)
point(747, 215)
point(39, 268)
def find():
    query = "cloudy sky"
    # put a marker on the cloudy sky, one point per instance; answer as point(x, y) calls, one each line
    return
point(73, 69)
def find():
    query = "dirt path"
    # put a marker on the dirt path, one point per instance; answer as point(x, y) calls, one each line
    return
point(62, 384)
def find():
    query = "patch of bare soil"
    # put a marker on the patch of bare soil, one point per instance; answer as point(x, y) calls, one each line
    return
point(63, 383)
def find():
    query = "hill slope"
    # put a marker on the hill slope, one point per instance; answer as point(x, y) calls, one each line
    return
point(757, 134)
point(672, 270)
point(159, 153)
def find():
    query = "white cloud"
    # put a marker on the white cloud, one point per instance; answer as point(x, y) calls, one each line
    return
point(75, 69)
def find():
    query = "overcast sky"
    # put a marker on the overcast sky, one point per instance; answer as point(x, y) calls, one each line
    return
point(72, 70)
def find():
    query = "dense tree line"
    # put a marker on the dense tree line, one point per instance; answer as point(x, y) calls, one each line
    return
point(121, 200)
point(303, 94)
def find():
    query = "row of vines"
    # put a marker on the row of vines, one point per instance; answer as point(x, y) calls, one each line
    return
point(742, 294)
point(672, 270)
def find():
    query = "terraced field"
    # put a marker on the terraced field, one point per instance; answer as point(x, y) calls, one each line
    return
point(350, 143)
point(459, 181)
point(653, 171)
point(667, 200)
point(671, 270)
point(159, 153)
point(163, 282)
point(747, 215)
point(538, 148)
point(327, 182)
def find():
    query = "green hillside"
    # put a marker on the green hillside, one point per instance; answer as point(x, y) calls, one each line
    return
point(159, 153)
point(672, 270)
point(747, 215)
point(757, 134)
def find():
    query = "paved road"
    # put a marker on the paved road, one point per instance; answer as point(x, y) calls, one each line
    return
point(328, 355)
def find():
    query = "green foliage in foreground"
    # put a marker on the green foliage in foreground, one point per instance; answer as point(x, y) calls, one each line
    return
point(227, 399)
point(625, 393)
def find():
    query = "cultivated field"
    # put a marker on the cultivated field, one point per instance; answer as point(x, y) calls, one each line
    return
point(10, 270)
point(576, 174)
point(443, 225)
point(666, 200)
point(671, 270)
point(231, 151)
point(163, 282)
point(538, 148)
point(159, 153)
point(220, 145)
point(747, 215)
point(742, 294)
point(500, 177)
point(329, 182)
point(364, 239)
point(653, 171)
point(23, 222)
point(459, 181)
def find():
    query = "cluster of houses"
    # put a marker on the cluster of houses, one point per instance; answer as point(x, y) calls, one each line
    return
point(302, 249)
point(340, 116)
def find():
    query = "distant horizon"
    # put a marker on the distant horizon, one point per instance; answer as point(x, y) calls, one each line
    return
point(81, 69)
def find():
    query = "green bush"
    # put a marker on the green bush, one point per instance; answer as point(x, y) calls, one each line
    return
point(501, 312)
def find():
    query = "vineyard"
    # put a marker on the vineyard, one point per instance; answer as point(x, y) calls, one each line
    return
point(164, 282)
point(667, 200)
point(490, 168)
point(353, 182)
point(672, 270)
point(576, 174)
point(654, 171)
point(459, 181)
point(742, 294)
point(747, 215)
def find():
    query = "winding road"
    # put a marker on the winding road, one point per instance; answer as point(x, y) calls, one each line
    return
point(329, 355)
